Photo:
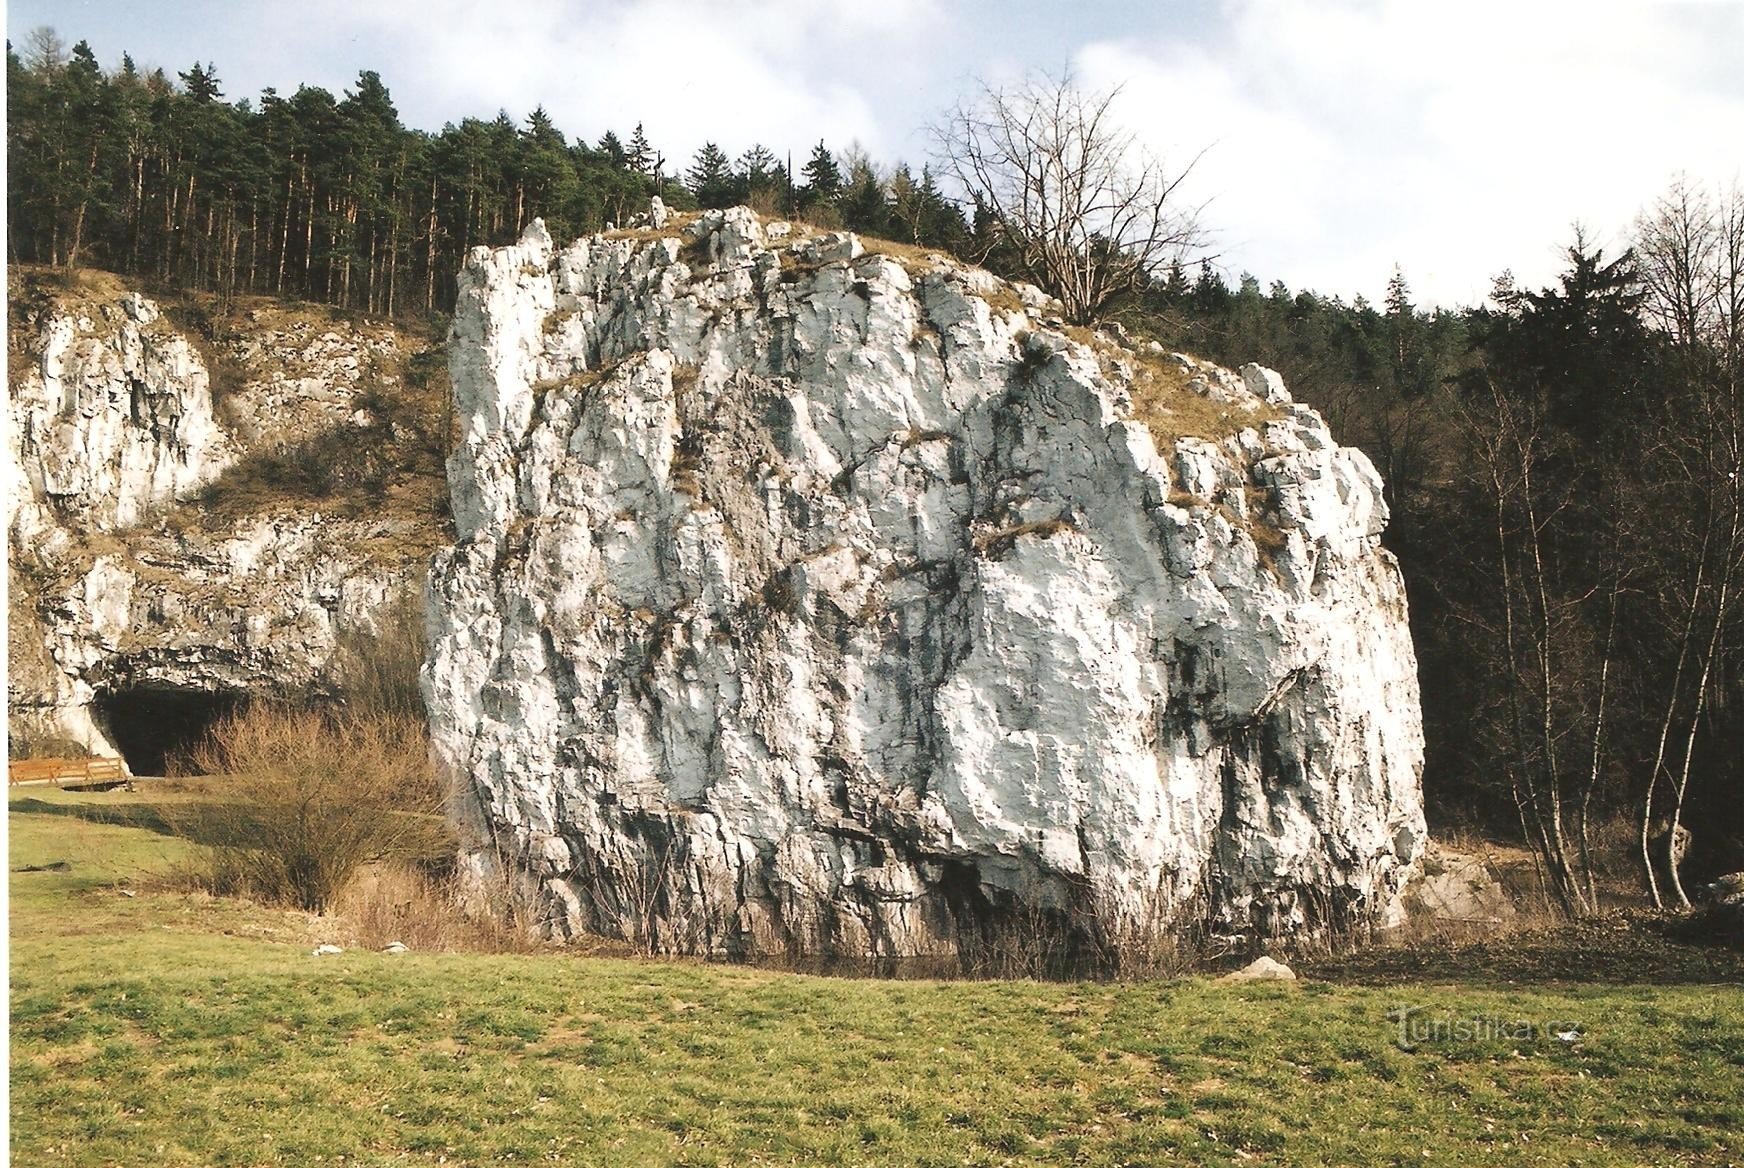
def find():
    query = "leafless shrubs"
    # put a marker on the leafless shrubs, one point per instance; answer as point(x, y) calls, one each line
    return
point(378, 663)
point(307, 799)
point(426, 911)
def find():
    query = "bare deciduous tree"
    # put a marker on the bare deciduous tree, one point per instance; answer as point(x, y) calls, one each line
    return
point(44, 50)
point(1534, 639)
point(1691, 249)
point(1087, 214)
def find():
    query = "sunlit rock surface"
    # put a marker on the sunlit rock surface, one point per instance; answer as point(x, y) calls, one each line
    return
point(119, 579)
point(814, 599)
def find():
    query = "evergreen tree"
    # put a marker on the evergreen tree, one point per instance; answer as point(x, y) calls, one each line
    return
point(763, 179)
point(823, 180)
point(861, 201)
point(1582, 345)
point(1210, 294)
point(1405, 356)
point(201, 84)
point(613, 150)
point(942, 223)
point(545, 175)
point(711, 178)
point(1175, 287)
point(640, 156)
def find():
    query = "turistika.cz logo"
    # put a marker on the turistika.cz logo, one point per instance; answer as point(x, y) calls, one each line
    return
point(1417, 1026)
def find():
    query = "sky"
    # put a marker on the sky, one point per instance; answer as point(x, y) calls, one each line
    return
point(1335, 139)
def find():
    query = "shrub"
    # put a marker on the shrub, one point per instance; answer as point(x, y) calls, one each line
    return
point(378, 663)
point(308, 798)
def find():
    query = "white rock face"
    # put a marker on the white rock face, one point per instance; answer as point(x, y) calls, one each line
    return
point(807, 600)
point(111, 417)
point(112, 427)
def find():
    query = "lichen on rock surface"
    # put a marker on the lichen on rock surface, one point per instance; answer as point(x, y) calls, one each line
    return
point(817, 596)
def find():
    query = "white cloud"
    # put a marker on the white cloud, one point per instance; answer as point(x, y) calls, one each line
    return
point(689, 70)
point(1454, 140)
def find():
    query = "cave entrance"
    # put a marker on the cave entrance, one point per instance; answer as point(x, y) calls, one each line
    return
point(156, 729)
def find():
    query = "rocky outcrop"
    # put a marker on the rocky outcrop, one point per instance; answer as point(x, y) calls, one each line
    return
point(153, 543)
point(816, 598)
point(111, 415)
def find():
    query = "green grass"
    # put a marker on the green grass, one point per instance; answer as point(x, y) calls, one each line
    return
point(171, 1030)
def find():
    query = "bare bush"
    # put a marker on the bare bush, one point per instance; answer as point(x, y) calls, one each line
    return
point(308, 799)
point(378, 663)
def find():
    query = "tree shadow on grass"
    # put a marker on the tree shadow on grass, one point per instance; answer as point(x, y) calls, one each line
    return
point(1623, 948)
point(200, 823)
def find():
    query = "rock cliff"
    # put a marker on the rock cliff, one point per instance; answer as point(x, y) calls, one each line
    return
point(186, 540)
point(819, 595)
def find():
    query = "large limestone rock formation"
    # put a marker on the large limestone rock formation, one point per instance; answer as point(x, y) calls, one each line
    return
point(132, 565)
point(813, 598)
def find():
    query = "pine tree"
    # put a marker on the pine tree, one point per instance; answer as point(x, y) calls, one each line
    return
point(640, 155)
point(88, 103)
point(613, 149)
point(942, 223)
point(201, 84)
point(762, 179)
point(1404, 347)
point(823, 180)
point(862, 201)
point(1210, 294)
point(711, 179)
point(1175, 287)
point(545, 175)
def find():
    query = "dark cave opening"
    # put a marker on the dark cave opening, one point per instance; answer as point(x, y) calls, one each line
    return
point(157, 728)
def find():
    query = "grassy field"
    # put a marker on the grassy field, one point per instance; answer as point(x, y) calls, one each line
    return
point(167, 1029)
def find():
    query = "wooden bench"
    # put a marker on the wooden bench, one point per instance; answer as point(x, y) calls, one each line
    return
point(67, 772)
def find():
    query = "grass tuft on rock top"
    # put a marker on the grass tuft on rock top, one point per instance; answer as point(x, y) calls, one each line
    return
point(174, 1029)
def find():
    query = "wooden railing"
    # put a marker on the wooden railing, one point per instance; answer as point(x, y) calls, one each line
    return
point(66, 772)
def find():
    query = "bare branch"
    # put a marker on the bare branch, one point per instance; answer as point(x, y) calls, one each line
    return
point(1088, 215)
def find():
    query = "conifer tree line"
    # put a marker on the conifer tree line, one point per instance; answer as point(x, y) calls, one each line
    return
point(333, 199)
point(1564, 466)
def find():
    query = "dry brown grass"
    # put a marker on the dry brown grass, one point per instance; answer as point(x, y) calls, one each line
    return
point(916, 260)
point(676, 222)
point(684, 380)
point(67, 287)
point(575, 383)
point(556, 320)
point(396, 901)
point(392, 467)
point(1163, 398)
point(1003, 299)
point(997, 544)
